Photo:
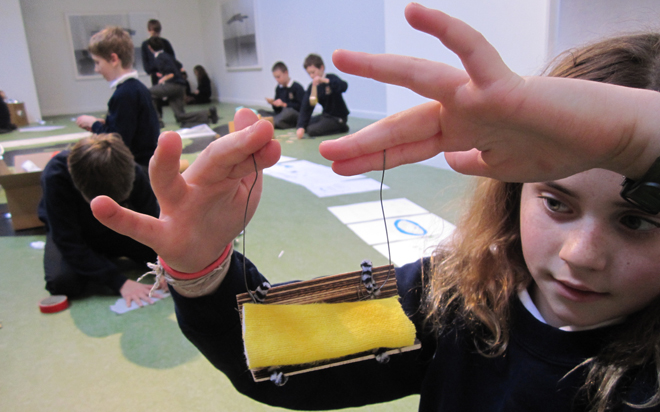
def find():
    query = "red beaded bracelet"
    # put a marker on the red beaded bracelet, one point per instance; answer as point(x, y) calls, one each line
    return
point(187, 276)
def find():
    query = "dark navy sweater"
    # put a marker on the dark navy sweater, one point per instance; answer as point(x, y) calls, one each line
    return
point(447, 372)
point(85, 244)
point(131, 113)
point(329, 96)
point(292, 96)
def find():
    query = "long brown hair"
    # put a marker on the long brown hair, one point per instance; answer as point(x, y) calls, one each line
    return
point(475, 276)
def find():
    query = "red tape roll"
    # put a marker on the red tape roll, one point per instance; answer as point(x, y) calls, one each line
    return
point(53, 304)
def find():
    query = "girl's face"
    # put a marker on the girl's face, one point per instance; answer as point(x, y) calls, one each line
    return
point(593, 256)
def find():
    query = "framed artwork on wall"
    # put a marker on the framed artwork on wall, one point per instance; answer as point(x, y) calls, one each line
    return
point(239, 35)
point(82, 27)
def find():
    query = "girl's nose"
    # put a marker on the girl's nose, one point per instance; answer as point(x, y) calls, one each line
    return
point(585, 247)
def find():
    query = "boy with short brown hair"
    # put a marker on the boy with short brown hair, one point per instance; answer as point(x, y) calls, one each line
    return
point(329, 89)
point(130, 111)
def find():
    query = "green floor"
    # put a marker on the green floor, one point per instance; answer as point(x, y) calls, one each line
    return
point(87, 358)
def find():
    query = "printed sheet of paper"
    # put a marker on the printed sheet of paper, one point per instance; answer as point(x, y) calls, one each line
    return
point(413, 231)
point(320, 179)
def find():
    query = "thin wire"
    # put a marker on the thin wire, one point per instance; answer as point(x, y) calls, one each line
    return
point(247, 203)
point(387, 236)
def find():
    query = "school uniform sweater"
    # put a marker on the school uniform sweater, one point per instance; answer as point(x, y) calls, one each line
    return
point(85, 244)
point(291, 95)
point(329, 96)
point(131, 113)
point(448, 373)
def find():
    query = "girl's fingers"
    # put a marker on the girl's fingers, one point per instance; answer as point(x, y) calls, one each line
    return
point(480, 59)
point(231, 155)
point(142, 228)
point(417, 124)
point(430, 79)
point(164, 175)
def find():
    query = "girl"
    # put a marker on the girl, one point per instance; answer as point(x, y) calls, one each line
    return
point(203, 92)
point(547, 297)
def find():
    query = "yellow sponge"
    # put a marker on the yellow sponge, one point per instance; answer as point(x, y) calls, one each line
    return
point(294, 334)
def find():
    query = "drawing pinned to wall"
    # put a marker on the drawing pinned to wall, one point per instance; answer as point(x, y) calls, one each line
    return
point(82, 27)
point(239, 34)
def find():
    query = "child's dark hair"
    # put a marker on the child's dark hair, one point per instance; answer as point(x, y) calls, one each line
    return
point(102, 165)
point(200, 72)
point(111, 40)
point(154, 25)
point(156, 43)
point(281, 67)
point(476, 277)
point(313, 60)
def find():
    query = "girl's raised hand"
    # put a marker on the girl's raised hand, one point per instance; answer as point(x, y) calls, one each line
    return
point(201, 210)
point(492, 122)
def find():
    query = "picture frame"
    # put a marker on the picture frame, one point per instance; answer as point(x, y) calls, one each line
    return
point(239, 35)
point(81, 27)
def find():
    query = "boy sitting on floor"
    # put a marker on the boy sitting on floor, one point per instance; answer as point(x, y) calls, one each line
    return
point(288, 98)
point(329, 89)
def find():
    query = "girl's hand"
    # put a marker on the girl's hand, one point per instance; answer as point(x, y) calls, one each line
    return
point(492, 122)
point(202, 209)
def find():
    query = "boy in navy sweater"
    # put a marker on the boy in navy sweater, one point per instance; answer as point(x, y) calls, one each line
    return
point(289, 95)
point(131, 113)
point(329, 89)
point(80, 250)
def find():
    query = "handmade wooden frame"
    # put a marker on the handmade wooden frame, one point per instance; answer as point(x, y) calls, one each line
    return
point(346, 287)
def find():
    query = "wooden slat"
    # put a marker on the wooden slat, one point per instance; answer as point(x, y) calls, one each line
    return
point(345, 287)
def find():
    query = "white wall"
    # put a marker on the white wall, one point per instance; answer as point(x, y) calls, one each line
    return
point(517, 28)
point(289, 30)
point(580, 22)
point(45, 26)
point(16, 77)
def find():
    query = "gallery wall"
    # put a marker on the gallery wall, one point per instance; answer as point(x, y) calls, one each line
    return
point(60, 92)
point(525, 33)
point(16, 76)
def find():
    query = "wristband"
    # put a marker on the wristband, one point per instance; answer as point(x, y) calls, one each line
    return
point(187, 276)
point(645, 192)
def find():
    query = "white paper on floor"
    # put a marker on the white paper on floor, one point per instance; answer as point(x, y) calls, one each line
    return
point(320, 179)
point(413, 231)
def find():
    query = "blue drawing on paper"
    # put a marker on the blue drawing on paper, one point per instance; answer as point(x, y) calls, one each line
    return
point(409, 227)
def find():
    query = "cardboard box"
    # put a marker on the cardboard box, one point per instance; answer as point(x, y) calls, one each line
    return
point(23, 189)
point(17, 114)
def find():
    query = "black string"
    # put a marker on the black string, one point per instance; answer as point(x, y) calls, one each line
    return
point(387, 236)
point(382, 208)
point(247, 203)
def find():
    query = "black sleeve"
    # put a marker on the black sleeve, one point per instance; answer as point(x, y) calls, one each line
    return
point(167, 47)
point(298, 95)
point(147, 59)
point(212, 324)
point(306, 109)
point(123, 114)
point(336, 84)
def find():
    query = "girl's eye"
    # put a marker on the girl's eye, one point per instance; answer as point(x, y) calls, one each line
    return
point(554, 205)
point(634, 222)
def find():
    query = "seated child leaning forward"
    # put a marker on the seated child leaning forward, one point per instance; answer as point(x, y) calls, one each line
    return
point(80, 250)
point(288, 98)
point(329, 89)
point(130, 111)
point(173, 86)
point(547, 296)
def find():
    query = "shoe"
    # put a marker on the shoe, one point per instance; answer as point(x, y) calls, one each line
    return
point(213, 111)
